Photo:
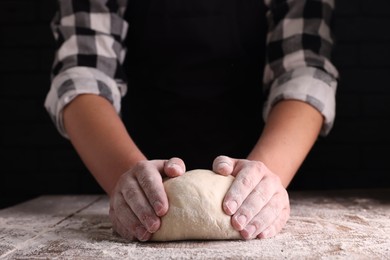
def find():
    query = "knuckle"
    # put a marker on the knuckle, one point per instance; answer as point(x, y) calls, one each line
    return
point(275, 209)
point(146, 181)
point(246, 181)
point(235, 195)
point(257, 166)
point(143, 215)
point(260, 196)
point(257, 223)
point(275, 180)
point(141, 165)
point(129, 193)
point(247, 211)
point(272, 178)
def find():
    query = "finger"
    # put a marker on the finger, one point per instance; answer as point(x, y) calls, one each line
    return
point(153, 194)
point(118, 227)
point(277, 226)
point(246, 180)
point(139, 232)
point(174, 167)
point(125, 222)
point(224, 165)
point(268, 214)
point(256, 200)
point(119, 230)
point(134, 197)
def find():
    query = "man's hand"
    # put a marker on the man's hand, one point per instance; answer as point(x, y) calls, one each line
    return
point(139, 199)
point(257, 201)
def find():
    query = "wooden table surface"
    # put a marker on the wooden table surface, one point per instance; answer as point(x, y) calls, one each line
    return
point(323, 225)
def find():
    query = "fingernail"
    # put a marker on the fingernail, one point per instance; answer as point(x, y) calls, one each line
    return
point(232, 206)
point(140, 232)
point(242, 221)
point(250, 230)
point(175, 166)
point(222, 165)
point(158, 208)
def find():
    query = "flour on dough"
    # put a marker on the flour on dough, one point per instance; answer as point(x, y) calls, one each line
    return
point(195, 208)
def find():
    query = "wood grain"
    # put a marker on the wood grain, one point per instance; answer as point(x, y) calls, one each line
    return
point(323, 225)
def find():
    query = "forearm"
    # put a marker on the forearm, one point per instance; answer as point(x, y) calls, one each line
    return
point(289, 134)
point(100, 138)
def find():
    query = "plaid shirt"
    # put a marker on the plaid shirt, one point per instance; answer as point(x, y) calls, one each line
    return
point(90, 38)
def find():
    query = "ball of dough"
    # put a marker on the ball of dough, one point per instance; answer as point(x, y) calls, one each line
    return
point(195, 208)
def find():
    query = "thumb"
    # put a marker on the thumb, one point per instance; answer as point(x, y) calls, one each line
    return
point(174, 167)
point(224, 165)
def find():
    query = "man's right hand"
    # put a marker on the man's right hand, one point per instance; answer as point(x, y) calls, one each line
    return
point(139, 199)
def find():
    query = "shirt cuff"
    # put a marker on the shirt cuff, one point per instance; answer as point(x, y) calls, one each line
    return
point(310, 85)
point(75, 81)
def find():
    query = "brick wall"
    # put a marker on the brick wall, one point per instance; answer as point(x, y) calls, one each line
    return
point(36, 160)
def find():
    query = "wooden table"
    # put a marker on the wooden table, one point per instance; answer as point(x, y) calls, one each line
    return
point(323, 225)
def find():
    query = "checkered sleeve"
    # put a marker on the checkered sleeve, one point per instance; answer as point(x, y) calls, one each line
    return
point(298, 66)
point(88, 59)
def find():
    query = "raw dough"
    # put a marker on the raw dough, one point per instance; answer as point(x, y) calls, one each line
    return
point(195, 208)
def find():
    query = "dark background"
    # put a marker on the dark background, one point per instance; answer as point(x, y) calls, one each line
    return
point(35, 159)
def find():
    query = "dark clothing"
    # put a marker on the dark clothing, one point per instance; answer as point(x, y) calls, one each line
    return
point(196, 65)
point(195, 78)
